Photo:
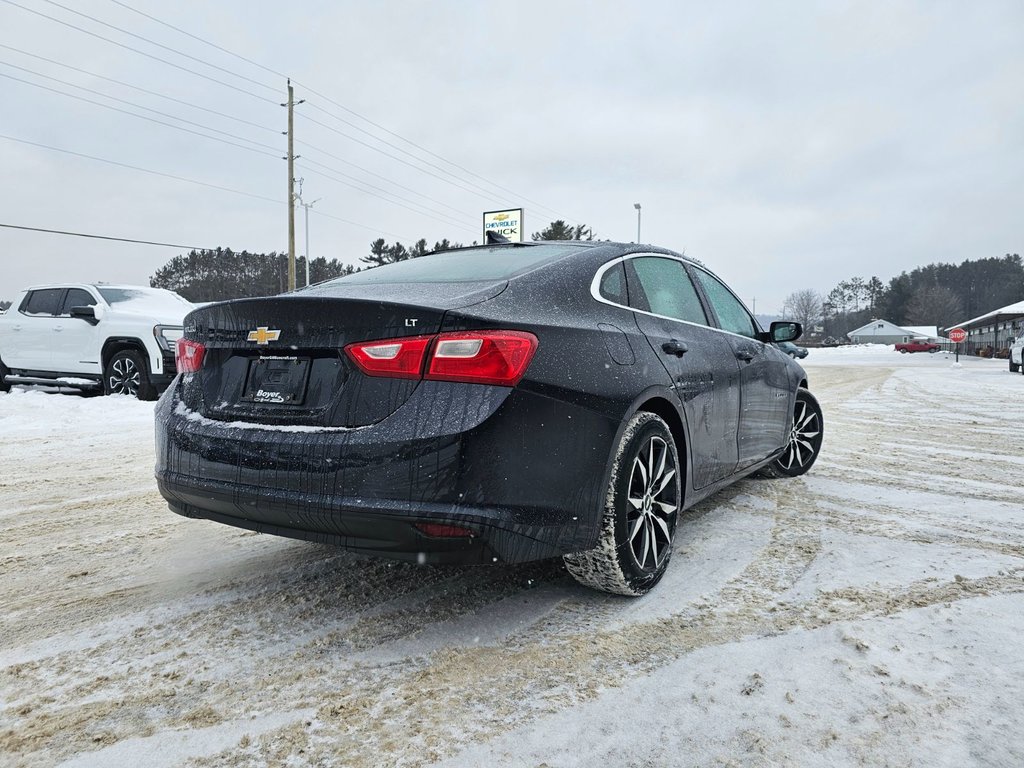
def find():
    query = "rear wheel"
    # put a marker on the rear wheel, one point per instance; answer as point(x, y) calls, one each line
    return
point(804, 439)
point(126, 374)
point(639, 521)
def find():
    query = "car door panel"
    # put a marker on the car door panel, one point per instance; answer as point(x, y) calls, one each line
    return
point(764, 382)
point(705, 376)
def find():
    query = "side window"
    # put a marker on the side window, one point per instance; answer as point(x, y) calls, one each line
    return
point(665, 289)
point(613, 285)
point(732, 315)
point(45, 301)
point(76, 297)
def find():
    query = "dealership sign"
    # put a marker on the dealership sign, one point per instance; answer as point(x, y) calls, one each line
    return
point(508, 224)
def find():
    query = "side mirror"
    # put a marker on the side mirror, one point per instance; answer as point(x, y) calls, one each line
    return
point(784, 330)
point(85, 313)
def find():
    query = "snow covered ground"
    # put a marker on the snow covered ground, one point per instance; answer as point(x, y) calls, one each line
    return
point(869, 613)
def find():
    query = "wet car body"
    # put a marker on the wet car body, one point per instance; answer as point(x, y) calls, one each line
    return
point(386, 465)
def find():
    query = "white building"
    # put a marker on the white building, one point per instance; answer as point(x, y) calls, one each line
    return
point(884, 332)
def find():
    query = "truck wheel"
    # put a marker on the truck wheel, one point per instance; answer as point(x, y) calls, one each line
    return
point(126, 374)
point(903, 351)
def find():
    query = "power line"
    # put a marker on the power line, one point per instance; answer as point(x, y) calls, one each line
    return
point(340, 106)
point(420, 209)
point(143, 170)
point(140, 52)
point(135, 87)
point(366, 170)
point(377, 230)
point(393, 157)
point(201, 40)
point(104, 237)
point(131, 104)
point(161, 45)
point(143, 117)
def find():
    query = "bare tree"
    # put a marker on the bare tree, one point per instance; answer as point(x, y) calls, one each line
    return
point(804, 307)
point(934, 305)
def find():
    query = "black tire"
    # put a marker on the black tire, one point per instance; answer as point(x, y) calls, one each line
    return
point(1013, 367)
point(804, 439)
point(4, 386)
point(126, 373)
point(903, 351)
point(641, 507)
point(932, 351)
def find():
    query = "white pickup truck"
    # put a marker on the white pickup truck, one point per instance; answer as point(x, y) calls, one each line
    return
point(119, 338)
point(1017, 354)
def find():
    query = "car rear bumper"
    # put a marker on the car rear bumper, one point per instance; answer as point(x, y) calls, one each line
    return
point(495, 461)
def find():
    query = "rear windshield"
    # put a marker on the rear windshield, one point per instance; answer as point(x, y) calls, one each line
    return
point(470, 265)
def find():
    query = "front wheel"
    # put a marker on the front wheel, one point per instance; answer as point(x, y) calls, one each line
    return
point(1013, 366)
point(126, 374)
point(804, 439)
point(4, 386)
point(903, 351)
point(639, 521)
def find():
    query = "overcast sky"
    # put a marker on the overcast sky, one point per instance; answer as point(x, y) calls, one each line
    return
point(786, 145)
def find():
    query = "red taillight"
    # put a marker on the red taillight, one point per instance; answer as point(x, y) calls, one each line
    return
point(482, 357)
point(476, 357)
point(439, 531)
point(188, 357)
point(396, 358)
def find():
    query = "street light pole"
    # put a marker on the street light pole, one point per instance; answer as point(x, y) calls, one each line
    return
point(637, 206)
point(307, 206)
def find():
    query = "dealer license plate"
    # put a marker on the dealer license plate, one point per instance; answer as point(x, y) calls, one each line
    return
point(277, 380)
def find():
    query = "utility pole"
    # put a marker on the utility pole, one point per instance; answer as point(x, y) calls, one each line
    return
point(290, 157)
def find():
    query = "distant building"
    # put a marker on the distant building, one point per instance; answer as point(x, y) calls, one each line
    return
point(884, 332)
point(996, 329)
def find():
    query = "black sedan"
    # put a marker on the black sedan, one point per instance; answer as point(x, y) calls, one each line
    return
point(495, 404)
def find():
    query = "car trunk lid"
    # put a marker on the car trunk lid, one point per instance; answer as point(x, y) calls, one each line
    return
point(281, 360)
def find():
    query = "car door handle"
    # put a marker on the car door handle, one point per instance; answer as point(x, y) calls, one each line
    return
point(745, 355)
point(675, 347)
point(58, 328)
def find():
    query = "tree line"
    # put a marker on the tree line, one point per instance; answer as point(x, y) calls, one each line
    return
point(219, 274)
point(937, 294)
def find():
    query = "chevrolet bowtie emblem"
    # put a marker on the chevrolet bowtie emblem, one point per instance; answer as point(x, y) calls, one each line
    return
point(264, 335)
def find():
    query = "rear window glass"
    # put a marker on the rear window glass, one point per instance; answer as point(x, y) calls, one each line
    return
point(470, 265)
point(667, 289)
point(43, 302)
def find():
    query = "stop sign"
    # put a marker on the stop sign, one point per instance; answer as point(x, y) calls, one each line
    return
point(957, 335)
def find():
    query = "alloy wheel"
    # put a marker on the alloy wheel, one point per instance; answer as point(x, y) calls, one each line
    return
point(652, 504)
point(124, 377)
point(804, 437)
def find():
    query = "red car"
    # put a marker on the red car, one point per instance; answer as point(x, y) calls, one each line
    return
point(917, 346)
